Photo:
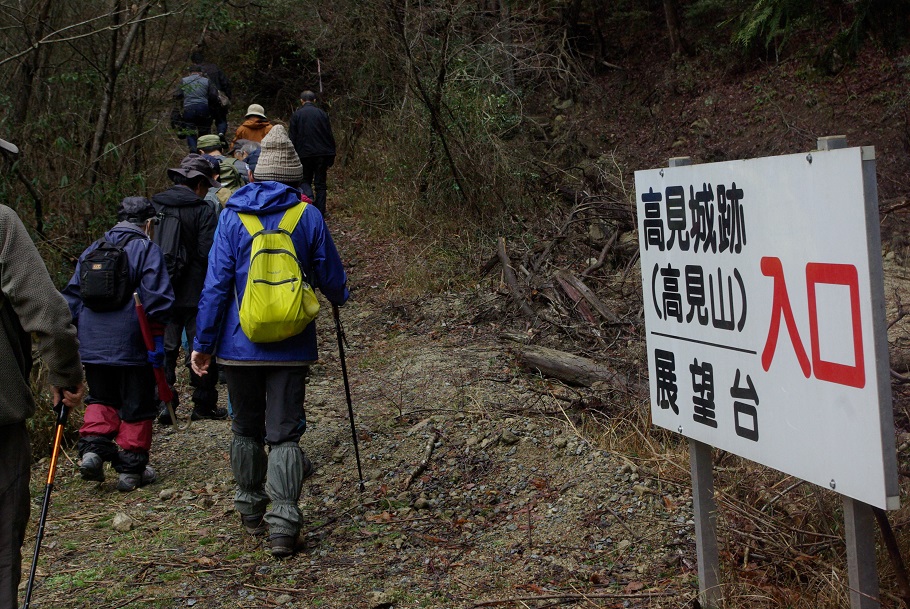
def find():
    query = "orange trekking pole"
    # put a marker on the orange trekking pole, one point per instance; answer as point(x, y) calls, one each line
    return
point(62, 413)
point(164, 390)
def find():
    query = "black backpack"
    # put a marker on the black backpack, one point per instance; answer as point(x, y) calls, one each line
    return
point(104, 276)
point(167, 237)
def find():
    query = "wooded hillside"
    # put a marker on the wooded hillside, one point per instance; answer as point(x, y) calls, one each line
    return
point(446, 102)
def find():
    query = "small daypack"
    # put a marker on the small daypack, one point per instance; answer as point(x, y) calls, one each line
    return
point(228, 175)
point(104, 276)
point(168, 238)
point(278, 301)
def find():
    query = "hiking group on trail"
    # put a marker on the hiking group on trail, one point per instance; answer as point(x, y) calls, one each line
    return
point(224, 260)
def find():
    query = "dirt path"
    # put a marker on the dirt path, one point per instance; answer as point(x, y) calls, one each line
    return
point(513, 503)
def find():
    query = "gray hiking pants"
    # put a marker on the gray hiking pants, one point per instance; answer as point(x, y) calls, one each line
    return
point(15, 463)
point(268, 409)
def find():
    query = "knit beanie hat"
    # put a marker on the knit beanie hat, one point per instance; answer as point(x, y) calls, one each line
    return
point(278, 160)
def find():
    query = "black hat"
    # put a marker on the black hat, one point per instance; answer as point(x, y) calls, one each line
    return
point(135, 209)
point(194, 165)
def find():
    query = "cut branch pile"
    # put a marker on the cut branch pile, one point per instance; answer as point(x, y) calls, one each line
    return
point(575, 284)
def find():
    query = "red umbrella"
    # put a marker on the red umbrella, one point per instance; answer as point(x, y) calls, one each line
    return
point(164, 390)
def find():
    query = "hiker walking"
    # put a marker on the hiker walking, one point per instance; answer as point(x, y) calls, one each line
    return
point(223, 92)
point(121, 402)
point(186, 226)
point(255, 125)
point(266, 379)
point(30, 307)
point(198, 98)
point(216, 196)
point(311, 133)
point(242, 149)
point(228, 167)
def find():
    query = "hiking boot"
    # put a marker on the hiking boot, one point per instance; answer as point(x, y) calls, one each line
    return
point(130, 482)
point(91, 468)
point(282, 545)
point(254, 524)
point(307, 466)
point(216, 414)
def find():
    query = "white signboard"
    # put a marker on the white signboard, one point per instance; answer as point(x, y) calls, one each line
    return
point(764, 312)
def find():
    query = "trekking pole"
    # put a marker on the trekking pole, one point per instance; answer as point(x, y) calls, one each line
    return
point(62, 413)
point(165, 394)
point(347, 390)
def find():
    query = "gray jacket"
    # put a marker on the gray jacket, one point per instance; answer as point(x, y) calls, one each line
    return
point(30, 306)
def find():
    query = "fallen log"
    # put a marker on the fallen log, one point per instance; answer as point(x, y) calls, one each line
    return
point(572, 369)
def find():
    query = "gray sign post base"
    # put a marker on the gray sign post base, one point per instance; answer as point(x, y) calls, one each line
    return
point(709, 590)
point(858, 517)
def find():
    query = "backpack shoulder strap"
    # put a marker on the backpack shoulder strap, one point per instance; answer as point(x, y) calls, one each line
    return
point(131, 235)
point(291, 217)
point(252, 223)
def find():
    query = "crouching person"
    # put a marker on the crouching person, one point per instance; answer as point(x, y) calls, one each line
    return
point(121, 402)
point(264, 356)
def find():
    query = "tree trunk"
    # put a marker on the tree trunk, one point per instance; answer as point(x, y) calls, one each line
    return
point(507, 53)
point(29, 66)
point(432, 100)
point(676, 40)
point(115, 65)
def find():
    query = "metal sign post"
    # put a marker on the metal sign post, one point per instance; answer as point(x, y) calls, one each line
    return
point(858, 518)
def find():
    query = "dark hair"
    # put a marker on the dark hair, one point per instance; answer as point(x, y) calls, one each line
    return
point(196, 57)
point(308, 96)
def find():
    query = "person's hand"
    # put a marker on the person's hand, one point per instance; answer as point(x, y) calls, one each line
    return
point(156, 357)
point(200, 362)
point(71, 399)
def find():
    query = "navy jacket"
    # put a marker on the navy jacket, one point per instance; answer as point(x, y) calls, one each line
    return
point(311, 132)
point(114, 337)
point(218, 321)
point(197, 228)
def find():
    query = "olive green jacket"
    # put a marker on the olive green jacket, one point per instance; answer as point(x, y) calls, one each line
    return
point(30, 307)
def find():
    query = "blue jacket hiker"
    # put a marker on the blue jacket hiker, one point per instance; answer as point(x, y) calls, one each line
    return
point(121, 403)
point(266, 380)
point(229, 261)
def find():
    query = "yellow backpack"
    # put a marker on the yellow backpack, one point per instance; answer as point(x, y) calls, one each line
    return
point(278, 302)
